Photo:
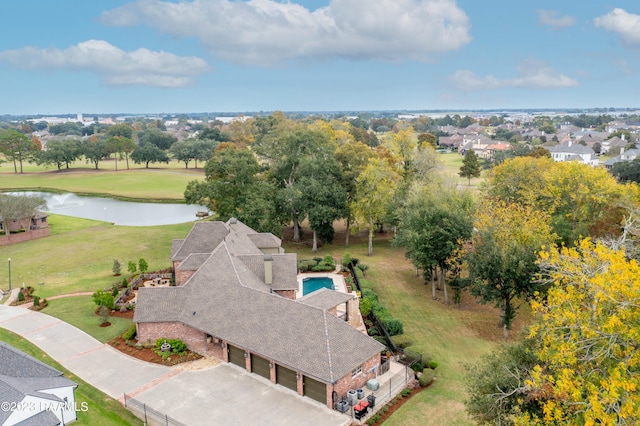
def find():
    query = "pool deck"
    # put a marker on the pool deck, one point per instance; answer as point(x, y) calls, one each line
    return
point(338, 280)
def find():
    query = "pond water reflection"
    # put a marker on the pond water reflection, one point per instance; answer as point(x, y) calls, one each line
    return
point(117, 212)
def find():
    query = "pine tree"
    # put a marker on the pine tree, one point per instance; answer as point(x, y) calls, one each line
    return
point(470, 166)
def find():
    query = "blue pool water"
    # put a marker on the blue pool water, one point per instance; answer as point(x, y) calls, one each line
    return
point(309, 285)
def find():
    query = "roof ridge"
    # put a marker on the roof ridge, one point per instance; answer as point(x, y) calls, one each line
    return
point(326, 334)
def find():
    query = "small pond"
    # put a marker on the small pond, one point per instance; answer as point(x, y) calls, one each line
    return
point(118, 212)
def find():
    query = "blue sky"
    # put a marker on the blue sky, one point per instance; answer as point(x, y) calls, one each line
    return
point(153, 56)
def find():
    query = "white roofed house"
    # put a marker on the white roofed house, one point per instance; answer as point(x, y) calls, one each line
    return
point(571, 151)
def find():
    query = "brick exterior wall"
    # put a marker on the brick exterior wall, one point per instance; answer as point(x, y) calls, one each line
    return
point(360, 381)
point(5, 240)
point(289, 294)
point(195, 340)
point(183, 276)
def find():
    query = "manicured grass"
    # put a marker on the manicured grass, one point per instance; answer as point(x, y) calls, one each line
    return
point(79, 255)
point(79, 311)
point(449, 335)
point(102, 409)
point(140, 183)
point(451, 163)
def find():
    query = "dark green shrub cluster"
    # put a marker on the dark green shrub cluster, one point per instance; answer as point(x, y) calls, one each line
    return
point(305, 265)
point(374, 419)
point(36, 300)
point(433, 365)
point(130, 333)
point(402, 341)
point(405, 392)
point(323, 268)
point(20, 296)
point(370, 303)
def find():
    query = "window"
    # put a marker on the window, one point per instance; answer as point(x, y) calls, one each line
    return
point(357, 371)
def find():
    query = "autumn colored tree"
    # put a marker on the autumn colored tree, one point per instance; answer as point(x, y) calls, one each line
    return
point(17, 147)
point(375, 188)
point(581, 200)
point(425, 139)
point(588, 330)
point(501, 255)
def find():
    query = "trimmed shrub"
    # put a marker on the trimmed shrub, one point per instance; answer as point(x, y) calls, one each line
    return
point(433, 365)
point(323, 268)
point(114, 290)
point(130, 333)
point(20, 296)
point(370, 294)
point(365, 307)
point(346, 259)
point(405, 392)
point(427, 377)
point(402, 341)
point(328, 260)
point(177, 345)
point(393, 326)
point(36, 301)
point(124, 283)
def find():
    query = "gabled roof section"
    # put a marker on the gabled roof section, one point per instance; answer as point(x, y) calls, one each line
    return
point(16, 363)
point(285, 270)
point(325, 298)
point(193, 261)
point(204, 237)
point(265, 240)
point(175, 246)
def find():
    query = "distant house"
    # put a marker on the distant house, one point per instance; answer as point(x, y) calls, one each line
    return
point(35, 227)
point(570, 151)
point(614, 142)
point(629, 155)
point(35, 393)
point(235, 300)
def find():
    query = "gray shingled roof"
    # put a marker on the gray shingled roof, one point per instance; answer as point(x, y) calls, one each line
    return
point(22, 375)
point(193, 261)
point(221, 300)
point(265, 240)
point(325, 298)
point(574, 148)
point(204, 237)
point(43, 418)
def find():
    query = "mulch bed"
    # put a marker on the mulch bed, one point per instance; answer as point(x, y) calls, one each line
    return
point(148, 355)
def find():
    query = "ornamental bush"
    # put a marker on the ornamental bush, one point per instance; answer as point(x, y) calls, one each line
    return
point(130, 333)
point(427, 377)
point(102, 298)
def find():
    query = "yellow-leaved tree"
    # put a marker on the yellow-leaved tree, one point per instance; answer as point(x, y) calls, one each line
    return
point(588, 333)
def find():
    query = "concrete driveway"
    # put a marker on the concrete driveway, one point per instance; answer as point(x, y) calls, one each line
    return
point(219, 394)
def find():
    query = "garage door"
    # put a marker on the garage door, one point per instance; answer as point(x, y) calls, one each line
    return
point(236, 356)
point(315, 389)
point(260, 366)
point(286, 378)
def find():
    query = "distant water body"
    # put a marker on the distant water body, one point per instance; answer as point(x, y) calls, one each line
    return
point(118, 212)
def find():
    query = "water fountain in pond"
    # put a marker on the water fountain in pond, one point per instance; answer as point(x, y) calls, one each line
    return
point(59, 201)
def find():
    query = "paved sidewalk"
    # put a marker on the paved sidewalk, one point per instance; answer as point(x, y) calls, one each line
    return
point(218, 395)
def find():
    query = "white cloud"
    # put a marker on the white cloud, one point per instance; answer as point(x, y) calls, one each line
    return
point(532, 74)
point(268, 32)
point(115, 66)
point(625, 25)
point(551, 19)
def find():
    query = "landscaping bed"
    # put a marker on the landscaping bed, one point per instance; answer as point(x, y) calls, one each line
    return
point(148, 354)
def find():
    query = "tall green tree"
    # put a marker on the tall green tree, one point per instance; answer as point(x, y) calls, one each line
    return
point(149, 153)
point(323, 196)
point(375, 188)
point(353, 157)
point(94, 149)
point(233, 187)
point(433, 225)
point(285, 148)
point(470, 166)
point(162, 140)
point(60, 152)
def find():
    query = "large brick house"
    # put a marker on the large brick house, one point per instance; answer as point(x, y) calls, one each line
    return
point(235, 299)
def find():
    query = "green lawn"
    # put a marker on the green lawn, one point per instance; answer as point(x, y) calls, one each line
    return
point(80, 312)
point(79, 254)
point(151, 184)
point(102, 409)
point(451, 162)
point(447, 334)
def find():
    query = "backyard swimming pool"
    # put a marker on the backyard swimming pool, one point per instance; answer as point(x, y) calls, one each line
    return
point(311, 284)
